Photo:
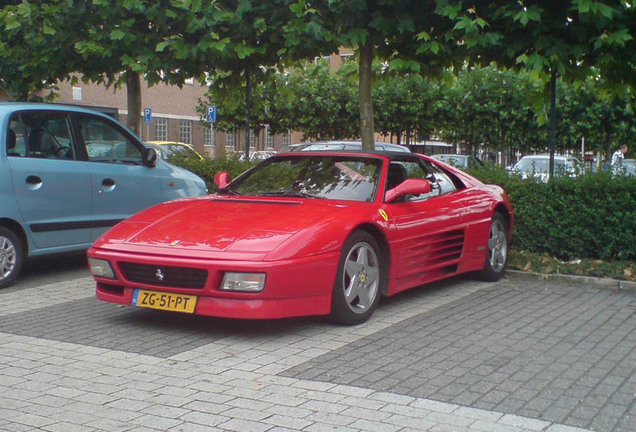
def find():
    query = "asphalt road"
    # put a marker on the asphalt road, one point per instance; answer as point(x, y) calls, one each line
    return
point(51, 269)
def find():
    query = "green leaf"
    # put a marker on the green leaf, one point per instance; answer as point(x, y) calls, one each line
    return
point(11, 23)
point(117, 34)
point(161, 46)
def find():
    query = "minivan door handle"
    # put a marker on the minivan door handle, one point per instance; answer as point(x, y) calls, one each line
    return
point(33, 179)
point(33, 182)
point(108, 184)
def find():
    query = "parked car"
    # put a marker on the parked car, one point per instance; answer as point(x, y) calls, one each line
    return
point(349, 227)
point(167, 149)
point(258, 155)
point(538, 166)
point(67, 174)
point(629, 165)
point(462, 162)
point(343, 145)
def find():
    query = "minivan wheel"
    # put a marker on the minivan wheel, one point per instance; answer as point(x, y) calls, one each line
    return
point(11, 256)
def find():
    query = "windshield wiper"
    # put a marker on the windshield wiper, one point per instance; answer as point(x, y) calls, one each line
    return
point(286, 193)
point(228, 191)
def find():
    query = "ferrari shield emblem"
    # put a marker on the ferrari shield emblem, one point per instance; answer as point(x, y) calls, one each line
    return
point(384, 215)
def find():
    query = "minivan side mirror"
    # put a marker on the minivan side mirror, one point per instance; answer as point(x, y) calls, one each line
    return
point(150, 157)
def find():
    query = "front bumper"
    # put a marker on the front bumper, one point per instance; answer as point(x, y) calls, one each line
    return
point(297, 287)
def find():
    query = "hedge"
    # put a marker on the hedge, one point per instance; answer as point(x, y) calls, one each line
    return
point(592, 216)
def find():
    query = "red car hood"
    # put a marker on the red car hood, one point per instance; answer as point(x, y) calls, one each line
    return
point(217, 224)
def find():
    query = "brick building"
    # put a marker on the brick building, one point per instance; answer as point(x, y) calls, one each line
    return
point(174, 116)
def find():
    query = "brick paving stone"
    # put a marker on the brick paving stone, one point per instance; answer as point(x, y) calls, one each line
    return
point(455, 356)
point(548, 362)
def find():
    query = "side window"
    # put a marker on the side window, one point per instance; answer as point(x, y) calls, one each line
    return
point(440, 182)
point(16, 144)
point(106, 143)
point(40, 134)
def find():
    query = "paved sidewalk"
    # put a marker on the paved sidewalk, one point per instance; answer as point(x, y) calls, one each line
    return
point(518, 355)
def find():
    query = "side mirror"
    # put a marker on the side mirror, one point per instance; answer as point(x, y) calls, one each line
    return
point(150, 157)
point(221, 179)
point(408, 187)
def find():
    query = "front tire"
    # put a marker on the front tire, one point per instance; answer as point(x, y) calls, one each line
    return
point(497, 250)
point(11, 256)
point(359, 280)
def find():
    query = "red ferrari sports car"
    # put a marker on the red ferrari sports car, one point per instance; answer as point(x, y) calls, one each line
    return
point(308, 233)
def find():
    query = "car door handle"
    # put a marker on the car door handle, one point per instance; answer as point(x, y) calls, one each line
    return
point(33, 182)
point(108, 185)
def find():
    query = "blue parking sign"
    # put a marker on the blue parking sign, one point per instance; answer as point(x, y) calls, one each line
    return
point(210, 114)
point(147, 115)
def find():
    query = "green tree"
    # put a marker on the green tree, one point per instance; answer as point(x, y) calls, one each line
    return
point(382, 28)
point(246, 39)
point(589, 112)
point(119, 44)
point(113, 42)
point(406, 103)
point(229, 95)
point(320, 102)
point(571, 39)
point(34, 52)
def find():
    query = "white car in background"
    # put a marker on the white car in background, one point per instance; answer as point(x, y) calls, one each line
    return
point(538, 166)
point(344, 146)
point(463, 162)
point(629, 166)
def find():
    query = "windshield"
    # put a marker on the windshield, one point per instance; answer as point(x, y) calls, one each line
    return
point(332, 177)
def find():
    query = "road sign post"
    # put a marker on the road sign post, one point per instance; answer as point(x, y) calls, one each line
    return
point(147, 117)
point(210, 114)
point(210, 117)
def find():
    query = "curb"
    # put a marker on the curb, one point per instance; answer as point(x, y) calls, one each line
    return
point(606, 283)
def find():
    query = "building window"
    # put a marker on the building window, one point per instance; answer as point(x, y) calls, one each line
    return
point(269, 139)
point(208, 140)
point(346, 57)
point(186, 131)
point(252, 139)
point(229, 140)
point(161, 129)
point(284, 140)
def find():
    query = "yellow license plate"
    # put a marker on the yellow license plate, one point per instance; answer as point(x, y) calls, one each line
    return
point(164, 301)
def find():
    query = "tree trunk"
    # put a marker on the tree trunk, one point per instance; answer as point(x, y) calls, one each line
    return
point(133, 100)
point(247, 112)
point(364, 88)
point(552, 121)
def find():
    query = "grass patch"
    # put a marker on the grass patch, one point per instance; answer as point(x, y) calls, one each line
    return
point(546, 264)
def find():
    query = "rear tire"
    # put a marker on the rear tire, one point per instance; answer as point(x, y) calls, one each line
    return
point(359, 280)
point(496, 250)
point(11, 256)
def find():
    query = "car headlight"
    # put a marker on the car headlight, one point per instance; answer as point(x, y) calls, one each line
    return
point(101, 268)
point(243, 282)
